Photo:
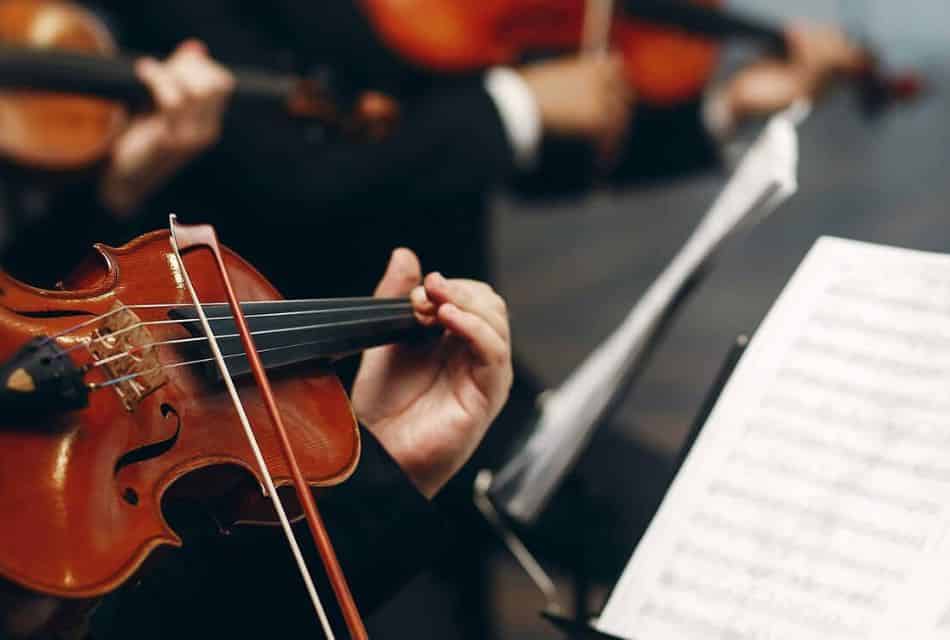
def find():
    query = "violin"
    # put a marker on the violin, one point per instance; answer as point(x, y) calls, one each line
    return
point(124, 383)
point(67, 93)
point(670, 48)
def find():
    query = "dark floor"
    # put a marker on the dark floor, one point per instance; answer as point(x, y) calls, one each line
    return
point(572, 271)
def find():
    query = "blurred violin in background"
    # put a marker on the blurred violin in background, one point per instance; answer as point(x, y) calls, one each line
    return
point(669, 47)
point(67, 93)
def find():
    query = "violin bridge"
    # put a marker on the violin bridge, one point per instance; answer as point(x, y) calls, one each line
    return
point(126, 351)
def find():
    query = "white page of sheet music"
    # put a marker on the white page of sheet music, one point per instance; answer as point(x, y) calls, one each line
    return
point(816, 501)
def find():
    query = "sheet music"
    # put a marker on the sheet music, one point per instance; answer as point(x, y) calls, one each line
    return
point(816, 501)
point(766, 176)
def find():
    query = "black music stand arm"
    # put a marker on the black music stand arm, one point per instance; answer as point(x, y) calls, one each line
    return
point(577, 630)
point(712, 395)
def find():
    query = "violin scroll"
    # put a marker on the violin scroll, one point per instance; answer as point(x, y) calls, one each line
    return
point(371, 117)
point(878, 91)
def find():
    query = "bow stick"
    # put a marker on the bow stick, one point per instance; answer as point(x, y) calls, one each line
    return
point(192, 236)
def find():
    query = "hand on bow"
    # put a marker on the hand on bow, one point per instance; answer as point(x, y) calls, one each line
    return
point(816, 54)
point(585, 96)
point(190, 92)
point(431, 404)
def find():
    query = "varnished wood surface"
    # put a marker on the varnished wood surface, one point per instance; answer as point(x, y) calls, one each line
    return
point(50, 131)
point(70, 528)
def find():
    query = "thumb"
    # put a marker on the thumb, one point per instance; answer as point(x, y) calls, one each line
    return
point(402, 274)
point(193, 46)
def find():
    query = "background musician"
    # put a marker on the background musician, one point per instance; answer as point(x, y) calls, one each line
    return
point(190, 92)
point(459, 137)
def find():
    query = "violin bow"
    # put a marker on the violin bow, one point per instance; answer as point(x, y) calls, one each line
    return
point(598, 15)
point(193, 236)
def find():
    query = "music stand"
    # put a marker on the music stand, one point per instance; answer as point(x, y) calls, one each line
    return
point(578, 630)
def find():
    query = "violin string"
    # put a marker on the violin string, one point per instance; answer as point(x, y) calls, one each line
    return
point(151, 323)
point(95, 386)
point(341, 324)
point(368, 302)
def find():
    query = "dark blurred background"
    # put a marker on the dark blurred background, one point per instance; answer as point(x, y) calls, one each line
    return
point(571, 271)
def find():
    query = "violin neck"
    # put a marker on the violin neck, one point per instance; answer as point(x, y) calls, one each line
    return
point(114, 78)
point(714, 23)
point(289, 332)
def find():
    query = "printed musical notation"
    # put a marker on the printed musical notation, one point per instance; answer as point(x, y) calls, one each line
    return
point(816, 501)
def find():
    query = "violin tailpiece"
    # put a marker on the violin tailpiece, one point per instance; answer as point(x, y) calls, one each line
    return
point(40, 379)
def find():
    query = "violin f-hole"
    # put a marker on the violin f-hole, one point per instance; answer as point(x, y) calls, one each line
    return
point(154, 449)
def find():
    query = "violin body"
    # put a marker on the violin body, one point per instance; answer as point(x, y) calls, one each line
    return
point(81, 491)
point(663, 65)
point(66, 93)
point(52, 131)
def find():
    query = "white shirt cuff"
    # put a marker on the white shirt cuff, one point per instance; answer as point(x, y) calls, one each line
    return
point(717, 117)
point(519, 113)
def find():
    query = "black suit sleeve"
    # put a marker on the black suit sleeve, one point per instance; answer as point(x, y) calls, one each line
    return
point(449, 143)
point(668, 142)
point(663, 143)
point(42, 257)
point(384, 530)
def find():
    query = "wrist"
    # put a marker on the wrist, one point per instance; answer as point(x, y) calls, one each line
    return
point(520, 113)
point(721, 112)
